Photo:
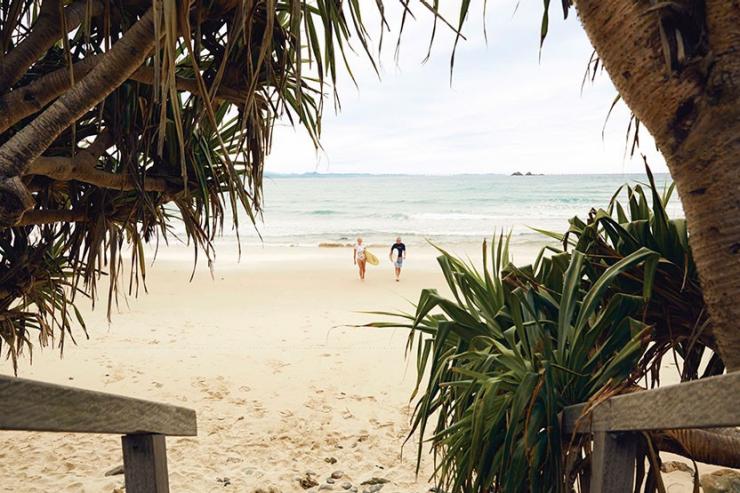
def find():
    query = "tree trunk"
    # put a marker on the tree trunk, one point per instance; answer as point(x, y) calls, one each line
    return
point(684, 89)
point(711, 447)
point(33, 97)
point(45, 32)
point(28, 144)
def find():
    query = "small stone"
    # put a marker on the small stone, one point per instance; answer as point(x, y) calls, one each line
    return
point(353, 489)
point(672, 466)
point(326, 487)
point(346, 485)
point(374, 481)
point(337, 474)
point(307, 482)
point(721, 481)
point(330, 480)
point(330, 460)
point(115, 471)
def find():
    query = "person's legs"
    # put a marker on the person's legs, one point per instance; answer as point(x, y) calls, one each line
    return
point(362, 269)
point(398, 272)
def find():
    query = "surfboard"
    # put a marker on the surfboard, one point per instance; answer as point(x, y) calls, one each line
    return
point(371, 259)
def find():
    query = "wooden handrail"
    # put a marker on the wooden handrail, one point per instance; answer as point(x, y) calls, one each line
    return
point(27, 405)
point(39, 406)
point(615, 423)
point(712, 402)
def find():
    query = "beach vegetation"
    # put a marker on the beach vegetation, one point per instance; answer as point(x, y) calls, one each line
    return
point(119, 118)
point(499, 359)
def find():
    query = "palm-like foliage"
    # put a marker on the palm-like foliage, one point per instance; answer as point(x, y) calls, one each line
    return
point(118, 118)
point(500, 360)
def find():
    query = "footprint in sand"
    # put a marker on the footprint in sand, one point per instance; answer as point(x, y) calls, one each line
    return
point(258, 409)
point(317, 404)
point(378, 424)
point(215, 389)
point(277, 365)
point(357, 397)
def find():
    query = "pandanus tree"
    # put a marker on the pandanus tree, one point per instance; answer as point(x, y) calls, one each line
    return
point(500, 359)
point(117, 117)
point(110, 110)
point(677, 66)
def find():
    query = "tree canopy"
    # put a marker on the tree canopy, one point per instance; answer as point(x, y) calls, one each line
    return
point(118, 118)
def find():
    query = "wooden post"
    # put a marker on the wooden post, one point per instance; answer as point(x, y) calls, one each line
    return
point(145, 463)
point(613, 462)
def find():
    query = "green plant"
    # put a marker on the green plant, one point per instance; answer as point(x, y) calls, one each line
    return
point(120, 119)
point(499, 360)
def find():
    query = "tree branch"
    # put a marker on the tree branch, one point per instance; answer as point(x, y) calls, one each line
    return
point(81, 169)
point(29, 143)
point(33, 97)
point(49, 216)
point(712, 447)
point(145, 75)
point(44, 33)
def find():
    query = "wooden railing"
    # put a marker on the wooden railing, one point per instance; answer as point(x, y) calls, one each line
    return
point(615, 423)
point(36, 406)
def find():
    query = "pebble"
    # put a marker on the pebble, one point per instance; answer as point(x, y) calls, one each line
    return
point(672, 466)
point(330, 460)
point(346, 485)
point(337, 474)
point(115, 471)
point(307, 482)
point(330, 480)
point(375, 481)
point(721, 481)
point(326, 487)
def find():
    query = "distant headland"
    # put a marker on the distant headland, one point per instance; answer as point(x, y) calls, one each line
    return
point(528, 173)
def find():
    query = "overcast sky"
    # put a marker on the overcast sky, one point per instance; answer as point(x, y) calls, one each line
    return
point(505, 110)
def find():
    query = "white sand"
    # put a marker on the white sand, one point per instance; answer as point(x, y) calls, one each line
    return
point(261, 353)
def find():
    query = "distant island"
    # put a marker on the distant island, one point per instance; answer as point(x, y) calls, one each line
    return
point(528, 173)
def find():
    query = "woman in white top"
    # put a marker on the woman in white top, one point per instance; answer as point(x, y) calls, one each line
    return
point(359, 257)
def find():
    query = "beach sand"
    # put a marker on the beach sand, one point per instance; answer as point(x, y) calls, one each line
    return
point(264, 354)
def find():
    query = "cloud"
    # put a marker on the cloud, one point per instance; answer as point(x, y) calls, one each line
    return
point(505, 110)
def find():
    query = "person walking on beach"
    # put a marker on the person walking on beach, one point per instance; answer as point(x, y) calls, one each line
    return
point(400, 248)
point(359, 257)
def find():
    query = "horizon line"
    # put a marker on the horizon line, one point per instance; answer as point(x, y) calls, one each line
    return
point(268, 174)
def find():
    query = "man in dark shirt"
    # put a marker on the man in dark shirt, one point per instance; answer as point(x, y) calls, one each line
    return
point(400, 251)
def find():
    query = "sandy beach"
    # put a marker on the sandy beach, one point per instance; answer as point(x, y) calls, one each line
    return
point(263, 353)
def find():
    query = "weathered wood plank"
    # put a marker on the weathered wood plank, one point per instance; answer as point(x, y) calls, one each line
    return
point(38, 406)
point(145, 463)
point(707, 403)
point(613, 463)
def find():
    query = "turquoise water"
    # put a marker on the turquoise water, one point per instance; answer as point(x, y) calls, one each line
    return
point(335, 209)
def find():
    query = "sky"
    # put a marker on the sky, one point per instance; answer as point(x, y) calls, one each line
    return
point(505, 110)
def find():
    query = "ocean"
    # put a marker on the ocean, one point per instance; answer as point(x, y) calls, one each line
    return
point(333, 210)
